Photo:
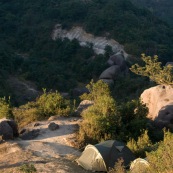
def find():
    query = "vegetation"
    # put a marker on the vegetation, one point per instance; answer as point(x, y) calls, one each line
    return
point(5, 108)
point(27, 168)
point(49, 103)
point(26, 47)
point(107, 120)
point(154, 70)
point(119, 167)
point(160, 8)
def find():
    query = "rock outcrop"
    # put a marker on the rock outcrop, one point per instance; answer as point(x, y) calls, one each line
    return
point(86, 39)
point(159, 100)
point(110, 73)
point(83, 106)
point(8, 129)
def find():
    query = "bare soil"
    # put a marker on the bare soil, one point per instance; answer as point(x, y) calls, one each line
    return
point(50, 152)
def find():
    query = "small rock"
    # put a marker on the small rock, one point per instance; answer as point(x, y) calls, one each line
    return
point(53, 126)
point(52, 118)
point(22, 131)
point(37, 124)
point(30, 134)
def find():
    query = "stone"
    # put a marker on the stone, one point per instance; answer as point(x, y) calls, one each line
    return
point(5, 130)
point(159, 100)
point(53, 126)
point(110, 73)
point(83, 106)
point(52, 118)
point(14, 127)
point(29, 134)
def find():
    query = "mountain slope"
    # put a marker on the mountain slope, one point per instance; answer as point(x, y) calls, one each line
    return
point(160, 8)
point(28, 50)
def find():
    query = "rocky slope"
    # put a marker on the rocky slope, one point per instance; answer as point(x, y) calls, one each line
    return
point(87, 39)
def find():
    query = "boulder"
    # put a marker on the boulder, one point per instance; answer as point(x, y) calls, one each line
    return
point(108, 81)
point(159, 100)
point(27, 134)
point(79, 91)
point(118, 59)
point(8, 129)
point(83, 106)
point(53, 126)
point(14, 127)
point(110, 73)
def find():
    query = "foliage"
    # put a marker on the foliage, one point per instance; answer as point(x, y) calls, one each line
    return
point(162, 8)
point(5, 108)
point(26, 47)
point(161, 159)
point(119, 167)
point(52, 103)
point(101, 120)
point(49, 103)
point(133, 117)
point(153, 70)
point(27, 168)
point(140, 146)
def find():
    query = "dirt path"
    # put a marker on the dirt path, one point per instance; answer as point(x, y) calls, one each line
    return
point(50, 152)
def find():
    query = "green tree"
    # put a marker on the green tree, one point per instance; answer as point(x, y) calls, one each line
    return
point(154, 70)
point(101, 121)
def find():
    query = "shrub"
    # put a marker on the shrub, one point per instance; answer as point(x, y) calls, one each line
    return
point(133, 117)
point(119, 167)
point(52, 103)
point(101, 120)
point(5, 108)
point(47, 104)
point(161, 159)
point(27, 168)
point(154, 70)
point(140, 146)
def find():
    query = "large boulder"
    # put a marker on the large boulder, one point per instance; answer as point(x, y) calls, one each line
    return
point(118, 59)
point(159, 100)
point(8, 129)
point(79, 91)
point(110, 73)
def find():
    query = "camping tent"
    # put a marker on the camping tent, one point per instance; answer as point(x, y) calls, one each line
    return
point(139, 165)
point(102, 156)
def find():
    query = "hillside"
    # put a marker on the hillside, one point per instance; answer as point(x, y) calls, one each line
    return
point(27, 49)
point(161, 8)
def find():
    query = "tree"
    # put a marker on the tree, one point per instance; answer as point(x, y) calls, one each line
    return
point(154, 70)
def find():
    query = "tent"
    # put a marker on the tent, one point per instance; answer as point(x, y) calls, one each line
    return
point(102, 156)
point(139, 165)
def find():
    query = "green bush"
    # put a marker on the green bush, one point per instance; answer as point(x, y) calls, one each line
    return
point(101, 120)
point(5, 108)
point(133, 116)
point(154, 70)
point(161, 159)
point(140, 146)
point(52, 103)
point(27, 168)
point(48, 104)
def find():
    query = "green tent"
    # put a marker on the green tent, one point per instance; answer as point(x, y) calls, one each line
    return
point(102, 156)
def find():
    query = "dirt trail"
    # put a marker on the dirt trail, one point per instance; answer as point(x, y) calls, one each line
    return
point(50, 152)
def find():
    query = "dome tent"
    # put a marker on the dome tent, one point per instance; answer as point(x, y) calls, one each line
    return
point(102, 156)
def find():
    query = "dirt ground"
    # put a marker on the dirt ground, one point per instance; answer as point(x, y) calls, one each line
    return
point(49, 152)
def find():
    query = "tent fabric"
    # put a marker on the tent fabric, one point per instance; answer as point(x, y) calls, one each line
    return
point(139, 165)
point(102, 156)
